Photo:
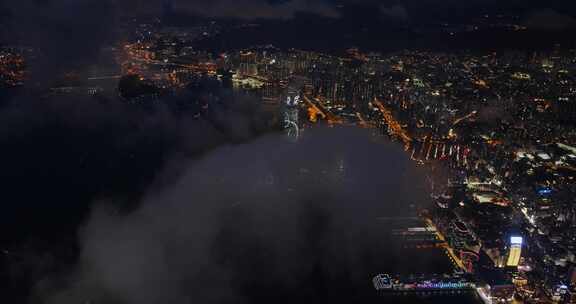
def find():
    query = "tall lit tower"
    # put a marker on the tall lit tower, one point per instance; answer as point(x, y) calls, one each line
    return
point(515, 251)
point(290, 103)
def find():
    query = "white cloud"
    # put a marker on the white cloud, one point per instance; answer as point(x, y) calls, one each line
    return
point(394, 12)
point(252, 9)
point(549, 19)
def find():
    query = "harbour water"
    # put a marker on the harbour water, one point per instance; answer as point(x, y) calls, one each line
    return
point(405, 256)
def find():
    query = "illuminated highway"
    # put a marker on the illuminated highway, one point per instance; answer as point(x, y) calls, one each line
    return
point(393, 124)
point(325, 113)
point(453, 256)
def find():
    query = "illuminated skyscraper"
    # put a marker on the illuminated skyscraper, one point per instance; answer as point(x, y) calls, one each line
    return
point(515, 251)
point(248, 64)
point(290, 103)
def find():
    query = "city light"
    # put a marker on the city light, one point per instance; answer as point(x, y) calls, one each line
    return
point(516, 240)
point(481, 106)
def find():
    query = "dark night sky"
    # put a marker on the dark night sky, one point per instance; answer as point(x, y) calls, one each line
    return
point(417, 10)
point(555, 13)
point(73, 30)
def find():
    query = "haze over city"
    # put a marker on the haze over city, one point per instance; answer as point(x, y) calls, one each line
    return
point(257, 151)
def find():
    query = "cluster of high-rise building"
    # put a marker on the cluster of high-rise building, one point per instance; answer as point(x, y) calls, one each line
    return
point(12, 66)
point(500, 125)
point(499, 128)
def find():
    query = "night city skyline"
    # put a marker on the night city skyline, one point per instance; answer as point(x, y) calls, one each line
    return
point(287, 151)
